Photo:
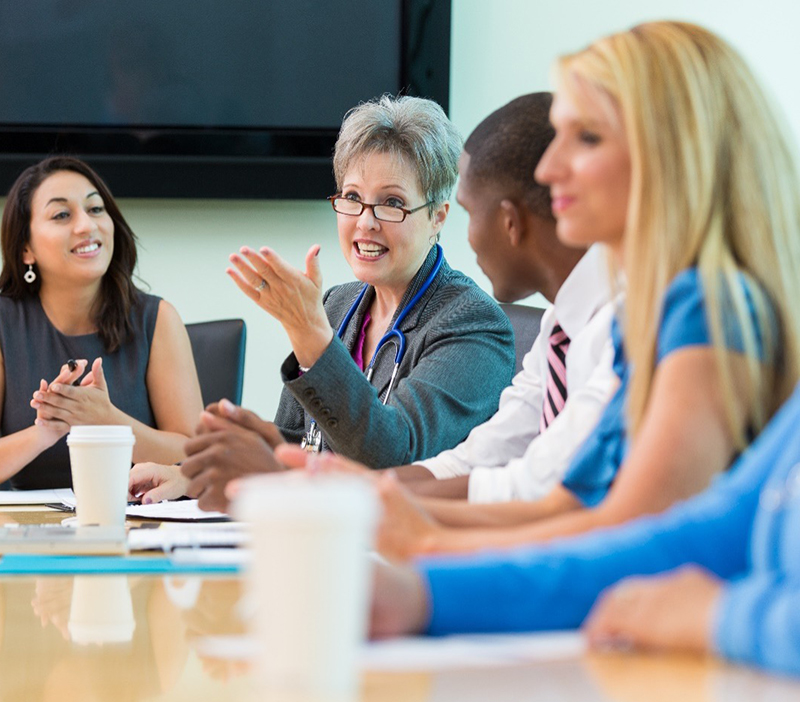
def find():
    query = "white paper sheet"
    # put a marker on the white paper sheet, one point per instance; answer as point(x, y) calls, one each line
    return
point(191, 535)
point(183, 510)
point(428, 654)
point(37, 497)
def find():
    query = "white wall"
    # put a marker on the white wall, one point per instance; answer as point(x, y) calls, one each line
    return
point(500, 49)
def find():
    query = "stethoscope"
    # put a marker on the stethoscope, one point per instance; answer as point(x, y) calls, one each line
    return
point(312, 441)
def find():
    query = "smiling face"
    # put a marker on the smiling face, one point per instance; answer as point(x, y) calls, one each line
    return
point(386, 254)
point(72, 234)
point(588, 169)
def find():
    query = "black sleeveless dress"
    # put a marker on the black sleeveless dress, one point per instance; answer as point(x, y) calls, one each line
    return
point(34, 349)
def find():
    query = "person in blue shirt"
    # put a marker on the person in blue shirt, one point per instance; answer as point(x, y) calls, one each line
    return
point(668, 115)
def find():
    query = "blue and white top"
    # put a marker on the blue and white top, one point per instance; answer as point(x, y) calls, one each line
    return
point(683, 323)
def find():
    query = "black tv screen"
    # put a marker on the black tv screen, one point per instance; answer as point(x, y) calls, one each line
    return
point(205, 98)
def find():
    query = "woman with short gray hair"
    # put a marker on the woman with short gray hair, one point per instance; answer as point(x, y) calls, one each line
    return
point(403, 363)
point(390, 369)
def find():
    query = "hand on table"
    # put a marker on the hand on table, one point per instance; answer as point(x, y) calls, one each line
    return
point(155, 482)
point(222, 452)
point(88, 403)
point(292, 297)
point(399, 602)
point(671, 612)
point(405, 529)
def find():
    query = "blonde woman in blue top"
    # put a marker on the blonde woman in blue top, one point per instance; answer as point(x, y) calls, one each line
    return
point(660, 132)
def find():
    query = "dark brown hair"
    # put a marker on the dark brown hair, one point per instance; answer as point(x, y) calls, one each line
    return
point(117, 291)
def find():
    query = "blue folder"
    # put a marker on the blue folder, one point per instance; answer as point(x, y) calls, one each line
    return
point(36, 564)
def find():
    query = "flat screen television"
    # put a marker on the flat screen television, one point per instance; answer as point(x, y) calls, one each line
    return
point(207, 98)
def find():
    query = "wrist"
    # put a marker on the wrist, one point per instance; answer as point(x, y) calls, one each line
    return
point(47, 435)
point(309, 346)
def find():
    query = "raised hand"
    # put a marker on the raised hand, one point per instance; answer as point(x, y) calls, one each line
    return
point(293, 297)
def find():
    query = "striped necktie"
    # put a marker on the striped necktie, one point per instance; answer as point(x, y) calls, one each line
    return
point(556, 396)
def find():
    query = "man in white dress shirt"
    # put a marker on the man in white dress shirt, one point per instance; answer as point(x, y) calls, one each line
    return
point(512, 231)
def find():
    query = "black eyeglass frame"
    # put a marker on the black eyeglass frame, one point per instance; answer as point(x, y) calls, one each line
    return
point(332, 199)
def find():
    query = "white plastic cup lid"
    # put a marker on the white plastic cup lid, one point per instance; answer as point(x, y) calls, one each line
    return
point(111, 432)
point(347, 498)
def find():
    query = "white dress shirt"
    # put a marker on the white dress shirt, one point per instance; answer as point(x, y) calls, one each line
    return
point(506, 457)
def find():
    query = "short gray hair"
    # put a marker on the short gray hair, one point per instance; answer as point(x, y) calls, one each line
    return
point(413, 128)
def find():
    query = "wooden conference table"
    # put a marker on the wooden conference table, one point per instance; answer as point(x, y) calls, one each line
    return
point(168, 655)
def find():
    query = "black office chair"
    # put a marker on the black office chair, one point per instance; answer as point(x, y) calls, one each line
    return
point(218, 349)
point(526, 321)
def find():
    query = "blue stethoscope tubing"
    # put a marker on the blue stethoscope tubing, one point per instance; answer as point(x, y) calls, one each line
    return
point(312, 439)
point(394, 333)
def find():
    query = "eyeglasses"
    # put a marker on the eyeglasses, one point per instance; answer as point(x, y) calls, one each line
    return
point(385, 213)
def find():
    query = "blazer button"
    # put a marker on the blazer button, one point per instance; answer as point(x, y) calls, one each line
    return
point(325, 412)
point(332, 423)
point(308, 393)
point(316, 403)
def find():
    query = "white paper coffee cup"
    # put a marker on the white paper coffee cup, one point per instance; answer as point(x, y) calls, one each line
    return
point(100, 458)
point(310, 579)
point(101, 610)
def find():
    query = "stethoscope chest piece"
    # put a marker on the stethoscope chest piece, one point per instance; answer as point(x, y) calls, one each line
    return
point(312, 441)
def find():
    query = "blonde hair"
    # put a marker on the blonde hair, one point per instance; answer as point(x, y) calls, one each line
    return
point(713, 184)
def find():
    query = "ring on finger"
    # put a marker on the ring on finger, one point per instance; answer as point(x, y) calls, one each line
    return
point(261, 285)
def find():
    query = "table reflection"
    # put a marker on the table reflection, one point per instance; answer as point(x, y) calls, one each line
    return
point(125, 638)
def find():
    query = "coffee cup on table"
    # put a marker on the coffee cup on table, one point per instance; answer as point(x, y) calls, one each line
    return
point(100, 460)
point(309, 580)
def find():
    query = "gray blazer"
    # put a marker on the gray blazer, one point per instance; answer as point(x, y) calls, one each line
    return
point(459, 356)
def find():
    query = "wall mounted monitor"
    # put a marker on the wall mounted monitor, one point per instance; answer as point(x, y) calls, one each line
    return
point(207, 98)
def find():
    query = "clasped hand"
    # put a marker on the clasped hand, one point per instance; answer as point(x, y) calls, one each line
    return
point(60, 405)
point(231, 442)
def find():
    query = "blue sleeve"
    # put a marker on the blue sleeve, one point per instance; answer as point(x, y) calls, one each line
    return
point(554, 586)
point(758, 622)
point(683, 316)
point(684, 320)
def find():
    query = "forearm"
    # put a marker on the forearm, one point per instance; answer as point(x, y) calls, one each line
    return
point(18, 449)
point(469, 527)
point(152, 444)
point(430, 487)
